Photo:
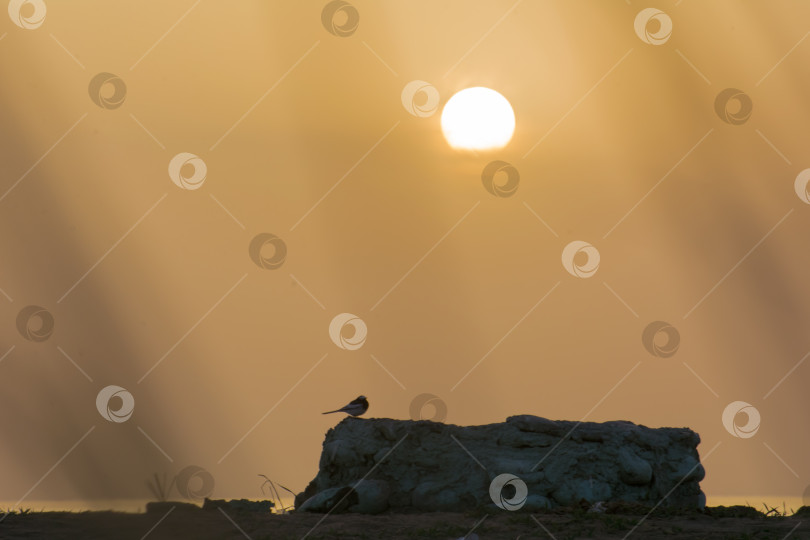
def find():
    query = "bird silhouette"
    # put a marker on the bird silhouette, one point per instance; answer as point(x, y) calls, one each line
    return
point(355, 408)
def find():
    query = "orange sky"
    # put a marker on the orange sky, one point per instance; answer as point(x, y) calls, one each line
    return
point(304, 136)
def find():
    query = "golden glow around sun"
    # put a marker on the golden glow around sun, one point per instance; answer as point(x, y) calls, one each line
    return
point(478, 118)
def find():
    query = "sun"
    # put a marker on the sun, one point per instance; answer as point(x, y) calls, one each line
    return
point(478, 118)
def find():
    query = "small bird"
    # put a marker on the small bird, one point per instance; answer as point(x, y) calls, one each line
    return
point(355, 408)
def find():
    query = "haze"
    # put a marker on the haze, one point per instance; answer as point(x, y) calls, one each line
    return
point(459, 280)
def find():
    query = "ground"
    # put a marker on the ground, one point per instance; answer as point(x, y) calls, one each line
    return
point(564, 524)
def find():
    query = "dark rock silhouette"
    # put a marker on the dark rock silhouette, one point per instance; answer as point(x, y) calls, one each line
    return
point(378, 464)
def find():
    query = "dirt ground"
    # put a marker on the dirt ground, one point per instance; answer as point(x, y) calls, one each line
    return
point(179, 522)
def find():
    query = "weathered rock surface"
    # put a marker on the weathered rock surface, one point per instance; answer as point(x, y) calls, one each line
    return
point(378, 464)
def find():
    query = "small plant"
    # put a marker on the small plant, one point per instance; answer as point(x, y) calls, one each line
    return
point(160, 487)
point(775, 511)
point(273, 492)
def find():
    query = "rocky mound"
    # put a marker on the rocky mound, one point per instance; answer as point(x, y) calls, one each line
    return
point(378, 464)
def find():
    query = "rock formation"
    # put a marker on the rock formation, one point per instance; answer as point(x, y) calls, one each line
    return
point(378, 464)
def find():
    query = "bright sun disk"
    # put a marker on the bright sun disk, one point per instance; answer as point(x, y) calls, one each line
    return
point(478, 118)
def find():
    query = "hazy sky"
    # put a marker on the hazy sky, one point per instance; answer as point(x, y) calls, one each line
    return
point(302, 133)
